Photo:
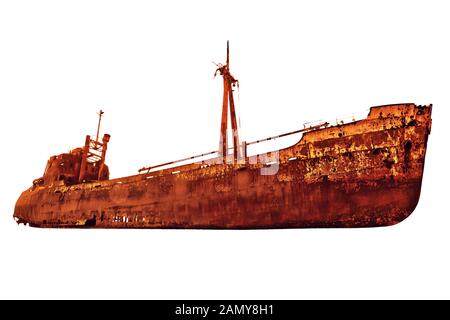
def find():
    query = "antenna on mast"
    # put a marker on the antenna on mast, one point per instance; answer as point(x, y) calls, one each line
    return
point(100, 114)
point(228, 54)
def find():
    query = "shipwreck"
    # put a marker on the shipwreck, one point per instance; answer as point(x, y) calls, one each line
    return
point(362, 173)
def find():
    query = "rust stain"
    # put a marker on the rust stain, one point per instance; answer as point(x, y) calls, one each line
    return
point(358, 174)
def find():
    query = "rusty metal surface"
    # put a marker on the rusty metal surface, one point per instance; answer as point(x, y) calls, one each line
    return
point(364, 173)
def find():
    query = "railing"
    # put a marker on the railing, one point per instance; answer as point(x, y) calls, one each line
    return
point(311, 128)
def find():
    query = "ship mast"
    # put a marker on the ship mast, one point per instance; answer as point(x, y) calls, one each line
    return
point(100, 114)
point(228, 83)
point(93, 156)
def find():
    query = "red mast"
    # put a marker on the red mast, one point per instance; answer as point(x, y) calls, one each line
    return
point(228, 83)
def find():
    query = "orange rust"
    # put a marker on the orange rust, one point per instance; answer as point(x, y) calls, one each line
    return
point(228, 83)
point(360, 174)
point(365, 173)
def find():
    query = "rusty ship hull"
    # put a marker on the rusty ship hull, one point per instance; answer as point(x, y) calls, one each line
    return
point(364, 173)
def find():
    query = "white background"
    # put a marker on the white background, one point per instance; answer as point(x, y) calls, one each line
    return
point(148, 65)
